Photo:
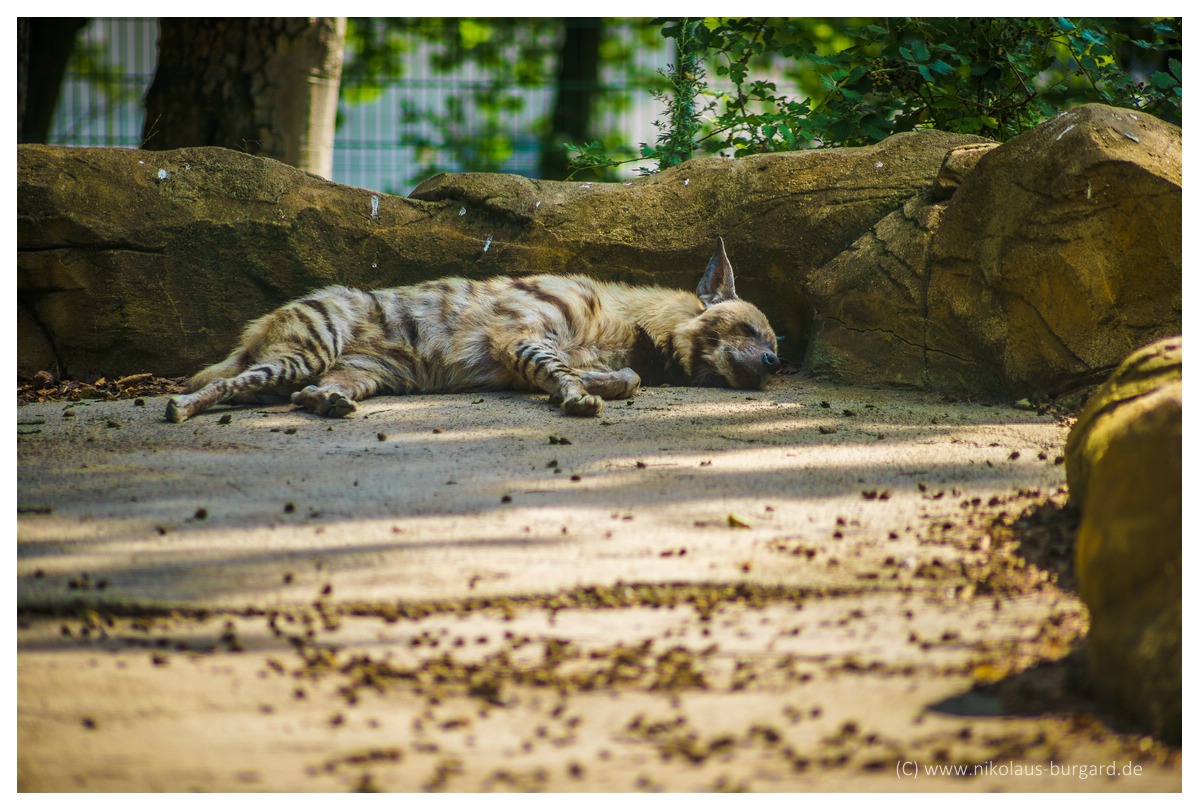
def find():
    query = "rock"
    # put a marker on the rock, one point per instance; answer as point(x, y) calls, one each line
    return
point(1059, 254)
point(131, 261)
point(1028, 269)
point(35, 352)
point(1053, 255)
point(869, 302)
point(1124, 468)
point(959, 162)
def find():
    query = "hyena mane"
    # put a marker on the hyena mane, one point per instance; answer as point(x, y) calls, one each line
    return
point(580, 340)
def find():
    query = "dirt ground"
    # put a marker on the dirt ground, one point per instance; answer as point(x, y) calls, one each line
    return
point(808, 588)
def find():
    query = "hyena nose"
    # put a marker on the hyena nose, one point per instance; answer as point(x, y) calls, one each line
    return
point(771, 361)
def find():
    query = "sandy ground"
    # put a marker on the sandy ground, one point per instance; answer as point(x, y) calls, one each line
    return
point(809, 588)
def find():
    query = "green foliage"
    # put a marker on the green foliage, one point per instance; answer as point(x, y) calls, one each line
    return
point(676, 142)
point(854, 82)
point(749, 85)
point(686, 80)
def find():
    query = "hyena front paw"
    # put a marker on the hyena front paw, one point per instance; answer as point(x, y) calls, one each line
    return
point(620, 384)
point(582, 405)
point(326, 403)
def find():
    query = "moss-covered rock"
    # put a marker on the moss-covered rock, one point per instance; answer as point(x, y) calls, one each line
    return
point(1124, 467)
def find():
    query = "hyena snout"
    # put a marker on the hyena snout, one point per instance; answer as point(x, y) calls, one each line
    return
point(749, 367)
point(768, 366)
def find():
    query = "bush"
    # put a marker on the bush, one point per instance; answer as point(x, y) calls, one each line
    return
point(854, 83)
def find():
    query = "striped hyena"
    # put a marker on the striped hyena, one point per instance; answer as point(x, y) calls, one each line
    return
point(580, 340)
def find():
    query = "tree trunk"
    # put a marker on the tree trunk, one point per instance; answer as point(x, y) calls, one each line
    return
point(22, 72)
point(266, 86)
point(44, 46)
point(578, 73)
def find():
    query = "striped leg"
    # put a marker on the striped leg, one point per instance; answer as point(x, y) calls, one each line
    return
point(544, 367)
point(256, 378)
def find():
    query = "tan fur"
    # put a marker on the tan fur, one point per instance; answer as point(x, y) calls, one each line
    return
point(578, 339)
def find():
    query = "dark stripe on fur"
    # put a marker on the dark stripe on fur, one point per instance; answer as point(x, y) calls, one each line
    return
point(523, 355)
point(410, 328)
point(302, 314)
point(378, 314)
point(508, 312)
point(314, 353)
point(330, 324)
point(653, 363)
point(548, 297)
point(593, 305)
point(702, 341)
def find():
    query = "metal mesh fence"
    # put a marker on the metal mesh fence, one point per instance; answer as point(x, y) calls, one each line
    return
point(398, 131)
point(100, 103)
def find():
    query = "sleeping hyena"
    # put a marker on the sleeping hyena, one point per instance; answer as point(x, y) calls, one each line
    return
point(580, 340)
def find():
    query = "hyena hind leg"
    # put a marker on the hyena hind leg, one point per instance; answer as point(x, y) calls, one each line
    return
point(544, 367)
point(337, 393)
point(249, 382)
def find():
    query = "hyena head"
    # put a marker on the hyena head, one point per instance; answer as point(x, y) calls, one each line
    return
point(730, 343)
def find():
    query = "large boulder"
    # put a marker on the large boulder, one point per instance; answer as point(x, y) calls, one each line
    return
point(1031, 268)
point(1124, 468)
point(133, 261)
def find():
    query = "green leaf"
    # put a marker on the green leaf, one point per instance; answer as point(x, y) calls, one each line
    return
point(969, 124)
point(1162, 80)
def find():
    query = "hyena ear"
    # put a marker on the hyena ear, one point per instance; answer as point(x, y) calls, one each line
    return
point(717, 283)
